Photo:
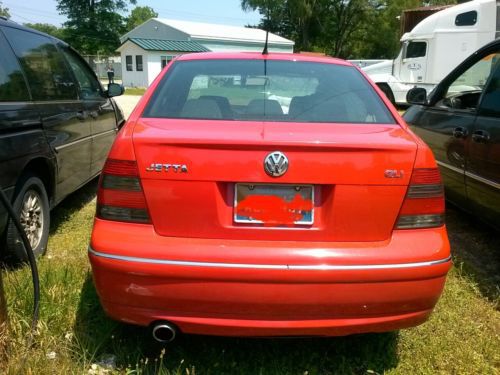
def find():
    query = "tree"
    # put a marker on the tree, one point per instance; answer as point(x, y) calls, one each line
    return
point(343, 28)
point(298, 20)
point(314, 25)
point(94, 26)
point(4, 11)
point(345, 18)
point(139, 15)
point(47, 28)
point(381, 34)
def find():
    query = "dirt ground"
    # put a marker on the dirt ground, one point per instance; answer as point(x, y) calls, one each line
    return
point(478, 246)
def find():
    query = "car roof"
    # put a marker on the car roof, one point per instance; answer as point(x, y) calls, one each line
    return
point(9, 23)
point(260, 56)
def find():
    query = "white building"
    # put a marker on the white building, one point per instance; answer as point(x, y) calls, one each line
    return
point(149, 47)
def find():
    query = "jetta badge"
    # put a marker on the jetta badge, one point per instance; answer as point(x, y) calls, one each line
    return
point(276, 164)
point(177, 168)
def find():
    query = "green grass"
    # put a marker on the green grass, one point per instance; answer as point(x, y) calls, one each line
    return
point(462, 336)
point(134, 91)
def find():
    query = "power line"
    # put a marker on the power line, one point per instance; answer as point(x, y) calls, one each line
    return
point(18, 15)
point(200, 15)
point(29, 9)
point(70, 31)
point(167, 11)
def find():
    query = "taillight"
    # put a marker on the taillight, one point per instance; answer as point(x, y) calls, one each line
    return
point(423, 206)
point(120, 196)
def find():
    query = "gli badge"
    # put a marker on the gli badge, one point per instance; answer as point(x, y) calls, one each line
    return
point(394, 173)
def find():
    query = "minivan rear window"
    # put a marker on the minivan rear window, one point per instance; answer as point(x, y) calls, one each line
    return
point(47, 73)
point(266, 90)
point(12, 84)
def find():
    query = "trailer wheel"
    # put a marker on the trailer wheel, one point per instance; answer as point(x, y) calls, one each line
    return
point(387, 91)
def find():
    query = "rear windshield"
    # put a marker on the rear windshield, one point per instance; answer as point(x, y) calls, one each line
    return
point(266, 90)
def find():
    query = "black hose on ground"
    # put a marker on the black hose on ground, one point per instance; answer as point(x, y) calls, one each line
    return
point(31, 259)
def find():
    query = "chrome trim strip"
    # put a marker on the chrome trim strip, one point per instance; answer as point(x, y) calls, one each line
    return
point(474, 176)
point(451, 167)
point(107, 132)
point(319, 267)
point(16, 103)
point(70, 101)
point(86, 139)
point(20, 132)
point(483, 180)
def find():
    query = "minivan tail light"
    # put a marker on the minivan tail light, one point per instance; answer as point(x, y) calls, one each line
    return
point(120, 196)
point(424, 205)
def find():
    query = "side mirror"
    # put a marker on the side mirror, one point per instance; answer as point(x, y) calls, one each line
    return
point(417, 95)
point(114, 89)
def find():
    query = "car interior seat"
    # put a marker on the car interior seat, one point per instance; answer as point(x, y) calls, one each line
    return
point(223, 103)
point(264, 108)
point(201, 108)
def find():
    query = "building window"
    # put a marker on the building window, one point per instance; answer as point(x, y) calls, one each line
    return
point(138, 63)
point(165, 60)
point(129, 63)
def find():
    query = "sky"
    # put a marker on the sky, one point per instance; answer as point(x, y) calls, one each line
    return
point(226, 12)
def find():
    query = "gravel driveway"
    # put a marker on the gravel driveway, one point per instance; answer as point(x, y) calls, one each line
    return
point(127, 103)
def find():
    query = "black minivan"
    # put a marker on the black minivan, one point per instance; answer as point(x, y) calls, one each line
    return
point(57, 124)
point(460, 121)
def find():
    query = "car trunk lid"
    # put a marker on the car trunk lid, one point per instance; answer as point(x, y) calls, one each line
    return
point(190, 170)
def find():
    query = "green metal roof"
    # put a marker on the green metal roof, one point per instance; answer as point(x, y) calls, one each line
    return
point(169, 45)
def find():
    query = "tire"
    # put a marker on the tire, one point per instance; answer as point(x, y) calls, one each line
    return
point(387, 91)
point(31, 204)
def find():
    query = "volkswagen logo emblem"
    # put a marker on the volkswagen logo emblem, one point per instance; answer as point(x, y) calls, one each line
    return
point(276, 164)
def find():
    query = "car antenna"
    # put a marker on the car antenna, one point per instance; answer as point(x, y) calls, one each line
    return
point(266, 24)
point(264, 52)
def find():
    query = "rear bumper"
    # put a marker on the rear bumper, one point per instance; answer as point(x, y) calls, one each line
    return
point(321, 290)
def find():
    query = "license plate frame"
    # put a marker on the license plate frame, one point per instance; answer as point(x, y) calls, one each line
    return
point(285, 212)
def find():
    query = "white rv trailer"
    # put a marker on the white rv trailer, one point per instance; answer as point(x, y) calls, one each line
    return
point(435, 46)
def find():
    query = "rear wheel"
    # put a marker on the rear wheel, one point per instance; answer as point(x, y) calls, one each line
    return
point(387, 91)
point(32, 208)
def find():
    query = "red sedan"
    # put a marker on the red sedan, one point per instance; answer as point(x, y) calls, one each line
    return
point(268, 195)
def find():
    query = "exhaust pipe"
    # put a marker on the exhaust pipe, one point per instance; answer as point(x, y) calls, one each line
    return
point(164, 332)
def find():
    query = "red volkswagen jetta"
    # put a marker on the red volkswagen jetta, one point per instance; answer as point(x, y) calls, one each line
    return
point(268, 195)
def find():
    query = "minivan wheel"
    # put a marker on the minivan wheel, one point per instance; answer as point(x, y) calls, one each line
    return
point(32, 207)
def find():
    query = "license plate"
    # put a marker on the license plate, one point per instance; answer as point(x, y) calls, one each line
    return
point(274, 205)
